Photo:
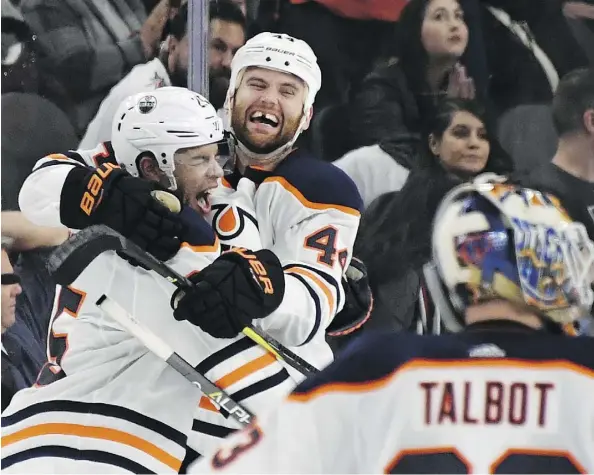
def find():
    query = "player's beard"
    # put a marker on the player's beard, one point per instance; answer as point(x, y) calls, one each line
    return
point(286, 132)
point(179, 76)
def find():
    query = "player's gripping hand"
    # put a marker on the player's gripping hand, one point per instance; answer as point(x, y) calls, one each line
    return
point(108, 195)
point(238, 287)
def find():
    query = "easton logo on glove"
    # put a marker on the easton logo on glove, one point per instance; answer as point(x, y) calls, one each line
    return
point(257, 268)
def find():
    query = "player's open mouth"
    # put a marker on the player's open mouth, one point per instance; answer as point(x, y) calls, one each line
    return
point(266, 118)
point(203, 201)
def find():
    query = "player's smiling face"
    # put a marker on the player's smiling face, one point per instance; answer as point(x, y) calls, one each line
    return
point(196, 173)
point(267, 108)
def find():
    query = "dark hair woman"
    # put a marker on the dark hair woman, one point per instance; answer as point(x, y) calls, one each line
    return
point(387, 115)
point(394, 236)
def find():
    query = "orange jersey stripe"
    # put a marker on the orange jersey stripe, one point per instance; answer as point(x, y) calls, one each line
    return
point(212, 248)
point(237, 375)
point(318, 281)
point(439, 364)
point(245, 370)
point(103, 433)
point(57, 156)
point(310, 204)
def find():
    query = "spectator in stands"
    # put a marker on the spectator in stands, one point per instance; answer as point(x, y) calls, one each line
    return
point(386, 116)
point(11, 379)
point(346, 36)
point(570, 174)
point(11, 287)
point(24, 337)
point(93, 44)
point(394, 236)
point(227, 35)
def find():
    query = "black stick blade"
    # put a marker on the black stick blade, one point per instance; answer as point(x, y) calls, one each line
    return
point(71, 258)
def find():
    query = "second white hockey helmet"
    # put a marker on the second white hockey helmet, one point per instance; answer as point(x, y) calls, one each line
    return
point(279, 52)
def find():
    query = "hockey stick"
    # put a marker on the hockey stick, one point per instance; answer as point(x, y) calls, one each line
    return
point(156, 345)
point(72, 257)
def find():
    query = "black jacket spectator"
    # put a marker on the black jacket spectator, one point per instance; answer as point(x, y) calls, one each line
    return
point(394, 236)
point(89, 44)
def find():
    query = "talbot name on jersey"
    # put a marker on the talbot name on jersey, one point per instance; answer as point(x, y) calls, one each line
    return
point(486, 402)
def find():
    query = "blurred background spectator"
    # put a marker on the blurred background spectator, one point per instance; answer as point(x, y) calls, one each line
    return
point(570, 173)
point(27, 299)
point(393, 239)
point(11, 288)
point(90, 45)
point(170, 68)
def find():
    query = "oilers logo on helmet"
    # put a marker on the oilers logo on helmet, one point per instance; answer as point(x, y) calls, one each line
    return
point(147, 104)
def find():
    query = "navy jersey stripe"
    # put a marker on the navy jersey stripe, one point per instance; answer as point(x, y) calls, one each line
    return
point(60, 451)
point(211, 429)
point(316, 300)
point(260, 386)
point(101, 409)
point(224, 354)
point(324, 275)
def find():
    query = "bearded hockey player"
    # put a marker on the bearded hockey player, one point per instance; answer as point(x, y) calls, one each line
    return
point(104, 403)
point(507, 392)
point(280, 198)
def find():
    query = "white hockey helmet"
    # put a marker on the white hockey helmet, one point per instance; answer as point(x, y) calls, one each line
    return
point(279, 52)
point(497, 240)
point(162, 122)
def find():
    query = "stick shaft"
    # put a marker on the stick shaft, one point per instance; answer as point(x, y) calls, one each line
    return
point(160, 348)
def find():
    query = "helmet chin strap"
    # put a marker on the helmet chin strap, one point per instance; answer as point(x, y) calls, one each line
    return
point(279, 153)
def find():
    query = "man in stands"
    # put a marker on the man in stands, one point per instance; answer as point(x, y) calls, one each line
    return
point(227, 35)
point(570, 174)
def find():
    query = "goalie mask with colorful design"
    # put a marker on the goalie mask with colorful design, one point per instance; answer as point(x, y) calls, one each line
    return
point(496, 240)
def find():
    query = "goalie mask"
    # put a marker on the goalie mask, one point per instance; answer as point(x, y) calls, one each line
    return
point(277, 52)
point(494, 240)
point(162, 122)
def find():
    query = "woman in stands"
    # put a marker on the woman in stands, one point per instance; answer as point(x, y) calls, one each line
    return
point(394, 236)
point(388, 112)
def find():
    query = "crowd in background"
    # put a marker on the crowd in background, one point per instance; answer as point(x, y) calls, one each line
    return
point(408, 88)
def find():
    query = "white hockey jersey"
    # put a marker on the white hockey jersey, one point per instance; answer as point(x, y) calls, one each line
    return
point(104, 403)
point(480, 402)
point(307, 212)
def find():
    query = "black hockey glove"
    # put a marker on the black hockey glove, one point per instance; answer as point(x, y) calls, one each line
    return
point(358, 301)
point(108, 195)
point(236, 288)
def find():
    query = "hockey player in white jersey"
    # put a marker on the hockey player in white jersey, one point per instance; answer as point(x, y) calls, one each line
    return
point(507, 392)
point(103, 403)
point(280, 198)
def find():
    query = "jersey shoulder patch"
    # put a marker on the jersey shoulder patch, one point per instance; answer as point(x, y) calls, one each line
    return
point(317, 181)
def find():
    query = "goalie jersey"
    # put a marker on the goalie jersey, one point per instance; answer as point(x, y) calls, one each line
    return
point(477, 402)
point(104, 403)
